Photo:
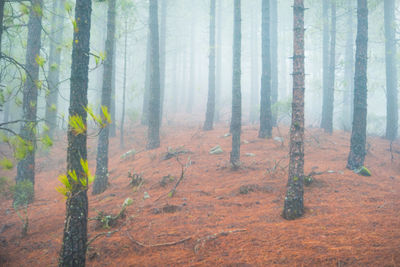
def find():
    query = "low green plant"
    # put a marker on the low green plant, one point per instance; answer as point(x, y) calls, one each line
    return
point(23, 195)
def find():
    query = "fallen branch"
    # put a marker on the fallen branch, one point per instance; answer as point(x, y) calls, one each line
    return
point(202, 241)
point(157, 245)
point(99, 235)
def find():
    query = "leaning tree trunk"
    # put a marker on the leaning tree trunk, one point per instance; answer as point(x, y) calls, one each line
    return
point(73, 251)
point(26, 167)
point(236, 122)
point(101, 181)
point(325, 61)
point(359, 130)
point(330, 90)
point(208, 124)
point(274, 59)
point(349, 71)
point(153, 137)
point(124, 87)
point(265, 101)
point(392, 115)
point(56, 37)
point(294, 206)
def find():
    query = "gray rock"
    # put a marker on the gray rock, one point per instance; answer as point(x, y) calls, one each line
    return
point(216, 150)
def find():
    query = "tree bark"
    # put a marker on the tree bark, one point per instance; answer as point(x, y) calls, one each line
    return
point(26, 167)
point(349, 71)
point(146, 96)
point(153, 138)
point(392, 116)
point(101, 181)
point(124, 87)
point(112, 109)
point(236, 122)
point(73, 251)
point(208, 124)
point(274, 59)
point(254, 67)
point(265, 101)
point(325, 61)
point(294, 206)
point(163, 41)
point(56, 37)
point(358, 135)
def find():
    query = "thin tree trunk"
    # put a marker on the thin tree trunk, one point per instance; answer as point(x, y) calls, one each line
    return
point(349, 70)
point(274, 59)
point(146, 96)
point(359, 130)
point(294, 206)
point(101, 181)
point(56, 36)
point(209, 123)
point(153, 138)
point(2, 2)
point(26, 167)
point(124, 87)
point(112, 109)
point(73, 250)
point(163, 40)
point(218, 78)
point(236, 122)
point(325, 61)
point(265, 101)
point(392, 116)
point(254, 67)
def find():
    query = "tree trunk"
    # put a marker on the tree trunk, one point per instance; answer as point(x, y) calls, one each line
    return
point(392, 115)
point(218, 79)
point(56, 37)
point(254, 67)
point(294, 206)
point(101, 181)
point(330, 90)
point(358, 133)
point(265, 101)
point(163, 40)
point(73, 251)
point(349, 71)
point(236, 122)
point(124, 87)
point(274, 59)
point(146, 96)
point(153, 138)
point(112, 109)
point(208, 124)
point(325, 61)
point(2, 2)
point(26, 167)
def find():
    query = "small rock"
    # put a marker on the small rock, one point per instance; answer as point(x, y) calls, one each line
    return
point(330, 171)
point(216, 150)
point(129, 154)
point(245, 142)
point(250, 154)
point(227, 135)
point(146, 195)
point(278, 139)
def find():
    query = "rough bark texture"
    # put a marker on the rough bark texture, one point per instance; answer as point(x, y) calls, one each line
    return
point(236, 122)
point(265, 101)
point(392, 115)
point(208, 124)
point(254, 100)
point(101, 180)
point(153, 137)
point(146, 96)
point(348, 95)
point(358, 133)
point(112, 109)
point(26, 167)
point(294, 206)
point(329, 93)
point(274, 58)
point(73, 251)
point(325, 61)
point(56, 36)
point(163, 41)
point(124, 87)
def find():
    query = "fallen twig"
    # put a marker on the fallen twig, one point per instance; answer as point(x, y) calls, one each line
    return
point(202, 241)
point(157, 245)
point(99, 235)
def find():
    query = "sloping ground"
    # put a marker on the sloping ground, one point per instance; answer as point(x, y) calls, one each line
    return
point(223, 218)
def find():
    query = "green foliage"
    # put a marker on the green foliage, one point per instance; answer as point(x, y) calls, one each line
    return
point(106, 221)
point(53, 67)
point(72, 182)
point(40, 61)
point(23, 193)
point(46, 141)
point(38, 10)
point(103, 120)
point(308, 180)
point(282, 107)
point(363, 171)
point(6, 164)
point(77, 125)
point(5, 188)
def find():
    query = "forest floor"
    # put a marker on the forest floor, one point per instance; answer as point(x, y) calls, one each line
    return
point(218, 216)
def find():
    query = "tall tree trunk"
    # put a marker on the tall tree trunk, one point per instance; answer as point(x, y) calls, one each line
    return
point(26, 167)
point(392, 116)
point(274, 59)
point(218, 78)
point(294, 206)
point(163, 40)
point(330, 90)
point(153, 137)
point(2, 2)
point(236, 122)
point(325, 61)
point(265, 101)
point(112, 109)
point(359, 130)
point(146, 96)
point(208, 124)
point(56, 37)
point(73, 251)
point(101, 181)
point(124, 87)
point(349, 70)
point(254, 67)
